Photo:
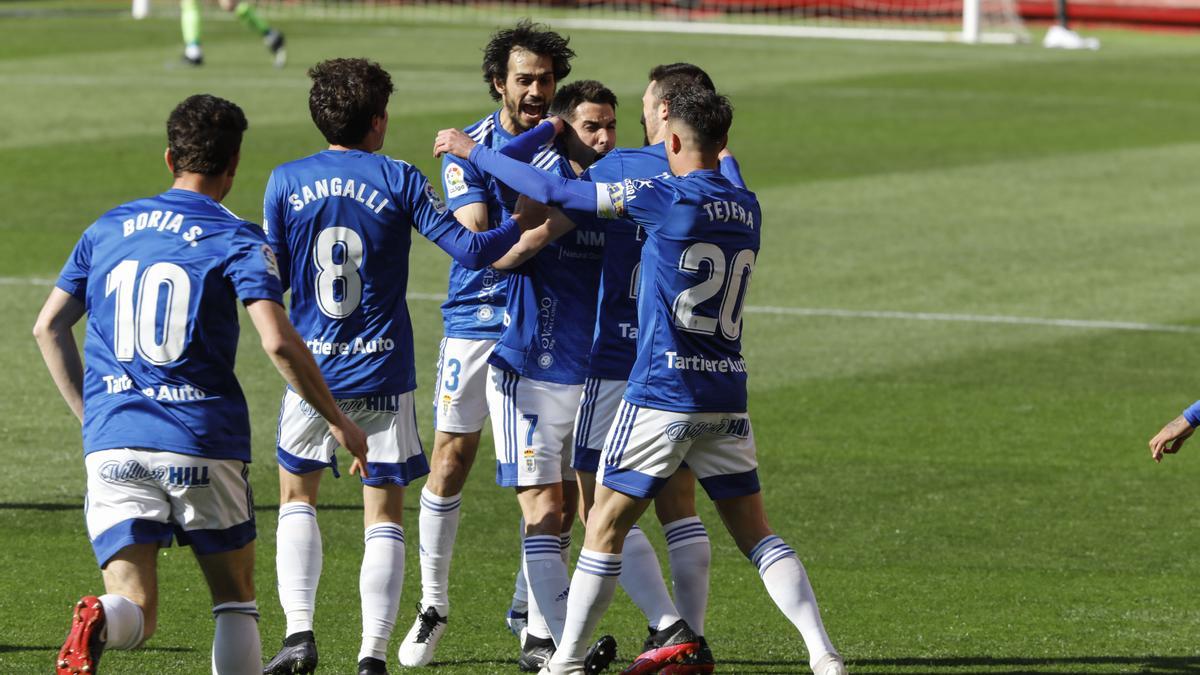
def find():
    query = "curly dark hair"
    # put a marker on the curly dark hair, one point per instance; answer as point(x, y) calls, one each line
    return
point(571, 96)
point(533, 37)
point(204, 133)
point(672, 77)
point(345, 95)
point(708, 113)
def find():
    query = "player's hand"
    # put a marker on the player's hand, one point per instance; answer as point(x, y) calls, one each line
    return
point(453, 142)
point(530, 214)
point(354, 440)
point(558, 123)
point(1171, 438)
point(724, 153)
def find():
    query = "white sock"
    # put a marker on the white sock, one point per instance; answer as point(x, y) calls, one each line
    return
point(236, 648)
point(642, 579)
point(592, 589)
point(548, 583)
point(787, 583)
point(123, 622)
point(298, 562)
point(438, 528)
point(379, 583)
point(690, 555)
point(520, 599)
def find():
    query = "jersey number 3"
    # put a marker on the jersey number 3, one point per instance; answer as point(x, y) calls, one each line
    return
point(338, 255)
point(729, 318)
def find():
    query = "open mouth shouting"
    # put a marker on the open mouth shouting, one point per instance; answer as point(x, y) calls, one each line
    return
point(531, 111)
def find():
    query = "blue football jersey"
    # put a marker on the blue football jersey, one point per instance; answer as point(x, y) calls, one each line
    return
point(341, 225)
point(551, 309)
point(615, 345)
point(702, 240)
point(475, 300)
point(160, 278)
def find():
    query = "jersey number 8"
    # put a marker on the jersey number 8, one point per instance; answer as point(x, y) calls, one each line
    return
point(729, 318)
point(339, 285)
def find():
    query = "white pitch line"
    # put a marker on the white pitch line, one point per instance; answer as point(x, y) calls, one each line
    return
point(1084, 324)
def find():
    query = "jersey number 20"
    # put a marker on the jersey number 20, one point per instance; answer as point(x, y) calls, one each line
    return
point(729, 319)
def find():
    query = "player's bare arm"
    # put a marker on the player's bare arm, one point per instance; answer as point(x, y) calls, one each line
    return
point(1171, 438)
point(295, 363)
point(59, 349)
point(553, 225)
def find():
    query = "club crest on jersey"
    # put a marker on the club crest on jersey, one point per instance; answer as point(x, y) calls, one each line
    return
point(456, 182)
point(679, 432)
point(270, 261)
point(530, 463)
point(485, 313)
point(545, 360)
point(434, 200)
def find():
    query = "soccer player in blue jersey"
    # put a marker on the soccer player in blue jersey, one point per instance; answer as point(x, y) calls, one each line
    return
point(686, 398)
point(521, 68)
point(166, 431)
point(614, 347)
point(341, 223)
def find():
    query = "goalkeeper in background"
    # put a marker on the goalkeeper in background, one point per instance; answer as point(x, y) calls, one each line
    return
point(190, 20)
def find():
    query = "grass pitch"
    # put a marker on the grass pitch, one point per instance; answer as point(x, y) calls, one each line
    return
point(968, 496)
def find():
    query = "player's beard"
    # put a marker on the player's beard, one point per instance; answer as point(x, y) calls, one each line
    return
point(520, 120)
point(645, 132)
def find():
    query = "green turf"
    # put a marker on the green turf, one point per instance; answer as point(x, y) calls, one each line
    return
point(967, 497)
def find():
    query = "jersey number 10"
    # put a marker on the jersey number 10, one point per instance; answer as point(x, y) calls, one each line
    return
point(136, 323)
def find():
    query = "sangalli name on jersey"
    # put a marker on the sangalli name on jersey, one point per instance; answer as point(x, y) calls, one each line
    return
point(337, 187)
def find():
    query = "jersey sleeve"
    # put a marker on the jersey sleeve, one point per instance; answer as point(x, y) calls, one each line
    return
point(526, 145)
point(645, 201)
point(251, 266)
point(74, 275)
point(473, 250)
point(274, 206)
point(539, 185)
point(462, 183)
point(732, 171)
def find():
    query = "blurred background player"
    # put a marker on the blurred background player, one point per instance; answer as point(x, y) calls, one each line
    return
point(190, 20)
point(341, 222)
point(686, 398)
point(166, 430)
point(521, 66)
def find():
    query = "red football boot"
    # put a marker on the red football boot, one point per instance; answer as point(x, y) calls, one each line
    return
point(81, 652)
point(671, 645)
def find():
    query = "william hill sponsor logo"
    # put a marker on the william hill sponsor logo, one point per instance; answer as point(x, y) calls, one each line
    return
point(690, 431)
point(133, 471)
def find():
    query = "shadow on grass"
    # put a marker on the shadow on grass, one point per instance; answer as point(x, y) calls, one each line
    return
point(1000, 665)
